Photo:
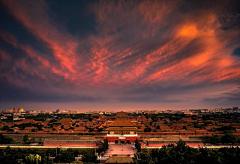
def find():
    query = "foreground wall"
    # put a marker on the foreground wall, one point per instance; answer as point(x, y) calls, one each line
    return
point(18, 138)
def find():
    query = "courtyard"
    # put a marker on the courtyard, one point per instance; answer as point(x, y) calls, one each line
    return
point(120, 150)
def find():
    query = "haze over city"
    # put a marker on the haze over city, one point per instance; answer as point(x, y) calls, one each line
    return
point(119, 55)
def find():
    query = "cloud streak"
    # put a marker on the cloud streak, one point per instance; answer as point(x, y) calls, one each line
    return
point(135, 45)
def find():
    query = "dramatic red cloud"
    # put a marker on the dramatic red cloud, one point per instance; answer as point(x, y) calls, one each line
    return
point(4, 55)
point(135, 44)
point(34, 16)
point(213, 60)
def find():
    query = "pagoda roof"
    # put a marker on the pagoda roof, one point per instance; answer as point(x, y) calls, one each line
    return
point(121, 129)
point(121, 115)
point(122, 123)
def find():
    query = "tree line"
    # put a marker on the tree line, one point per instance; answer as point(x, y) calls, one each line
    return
point(40, 156)
point(180, 153)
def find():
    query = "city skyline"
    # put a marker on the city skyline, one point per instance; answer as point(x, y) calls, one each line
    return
point(119, 55)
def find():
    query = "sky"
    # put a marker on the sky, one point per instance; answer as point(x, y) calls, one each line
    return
point(119, 55)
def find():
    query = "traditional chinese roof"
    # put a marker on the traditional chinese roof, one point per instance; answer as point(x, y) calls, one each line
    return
point(121, 129)
point(121, 115)
point(81, 128)
point(65, 121)
point(122, 123)
point(26, 121)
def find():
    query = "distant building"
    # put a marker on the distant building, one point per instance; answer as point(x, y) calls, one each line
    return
point(121, 116)
point(235, 108)
point(14, 110)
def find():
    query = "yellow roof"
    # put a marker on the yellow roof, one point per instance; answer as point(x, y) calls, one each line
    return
point(122, 123)
point(121, 129)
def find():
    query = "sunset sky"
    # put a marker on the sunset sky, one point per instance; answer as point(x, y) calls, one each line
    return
point(119, 55)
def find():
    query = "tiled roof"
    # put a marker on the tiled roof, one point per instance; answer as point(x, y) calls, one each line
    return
point(122, 123)
point(26, 121)
point(81, 128)
point(65, 121)
point(121, 129)
point(121, 114)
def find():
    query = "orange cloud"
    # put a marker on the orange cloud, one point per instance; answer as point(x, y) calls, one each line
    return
point(188, 31)
point(4, 55)
point(62, 44)
point(134, 44)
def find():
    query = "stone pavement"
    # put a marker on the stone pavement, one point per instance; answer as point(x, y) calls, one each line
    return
point(120, 150)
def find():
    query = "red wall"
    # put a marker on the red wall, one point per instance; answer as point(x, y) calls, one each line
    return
point(111, 139)
point(131, 139)
point(69, 144)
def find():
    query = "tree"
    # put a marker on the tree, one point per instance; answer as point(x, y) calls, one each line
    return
point(214, 139)
point(33, 159)
point(65, 156)
point(183, 154)
point(148, 129)
point(229, 138)
point(142, 157)
point(26, 139)
point(5, 128)
point(175, 154)
point(5, 140)
point(105, 145)
point(89, 156)
point(1, 138)
point(138, 145)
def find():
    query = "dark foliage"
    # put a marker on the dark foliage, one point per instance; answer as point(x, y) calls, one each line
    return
point(229, 138)
point(214, 139)
point(148, 129)
point(138, 145)
point(14, 156)
point(89, 156)
point(182, 154)
point(5, 140)
point(65, 156)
